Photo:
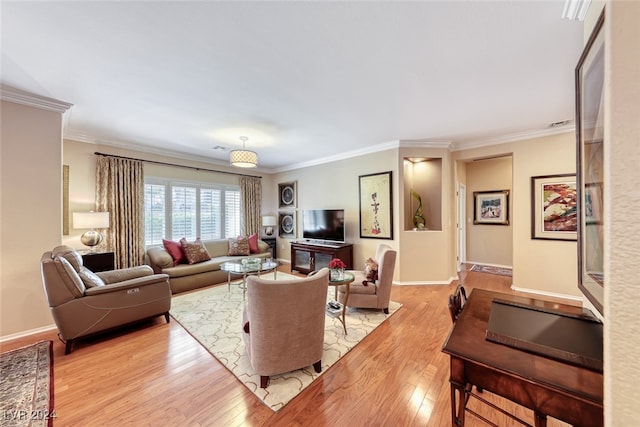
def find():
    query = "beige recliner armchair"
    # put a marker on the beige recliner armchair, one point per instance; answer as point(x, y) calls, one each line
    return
point(374, 294)
point(83, 303)
point(283, 326)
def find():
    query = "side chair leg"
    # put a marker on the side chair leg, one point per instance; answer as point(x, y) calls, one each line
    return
point(264, 381)
point(67, 347)
point(167, 317)
point(318, 366)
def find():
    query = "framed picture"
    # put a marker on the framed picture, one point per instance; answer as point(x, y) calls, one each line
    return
point(554, 207)
point(592, 186)
point(287, 224)
point(376, 206)
point(287, 195)
point(491, 207)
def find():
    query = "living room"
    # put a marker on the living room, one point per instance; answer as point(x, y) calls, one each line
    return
point(32, 212)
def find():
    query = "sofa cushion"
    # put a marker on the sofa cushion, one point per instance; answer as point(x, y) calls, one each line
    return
point(239, 246)
point(89, 278)
point(175, 250)
point(253, 243)
point(194, 252)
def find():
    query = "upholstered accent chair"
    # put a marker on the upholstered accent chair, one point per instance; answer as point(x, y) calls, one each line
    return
point(372, 294)
point(283, 324)
point(84, 303)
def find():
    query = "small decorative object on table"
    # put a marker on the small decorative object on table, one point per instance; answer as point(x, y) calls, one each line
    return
point(337, 269)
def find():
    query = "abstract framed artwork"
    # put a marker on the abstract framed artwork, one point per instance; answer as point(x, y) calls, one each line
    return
point(287, 195)
point(554, 204)
point(491, 207)
point(376, 206)
point(592, 187)
point(287, 224)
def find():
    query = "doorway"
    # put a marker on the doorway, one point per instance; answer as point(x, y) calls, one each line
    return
point(462, 227)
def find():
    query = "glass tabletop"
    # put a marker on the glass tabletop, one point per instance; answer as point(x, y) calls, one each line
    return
point(240, 268)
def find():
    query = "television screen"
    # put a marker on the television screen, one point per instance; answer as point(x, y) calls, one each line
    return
point(323, 225)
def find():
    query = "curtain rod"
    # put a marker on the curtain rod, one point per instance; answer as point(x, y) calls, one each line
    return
point(176, 165)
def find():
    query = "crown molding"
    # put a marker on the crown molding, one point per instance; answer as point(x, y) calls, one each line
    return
point(148, 149)
point(342, 156)
point(11, 94)
point(447, 145)
point(521, 136)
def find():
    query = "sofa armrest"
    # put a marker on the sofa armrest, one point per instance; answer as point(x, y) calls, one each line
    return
point(128, 284)
point(116, 276)
point(159, 258)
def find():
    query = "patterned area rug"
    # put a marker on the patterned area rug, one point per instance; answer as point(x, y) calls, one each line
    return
point(491, 270)
point(26, 391)
point(213, 316)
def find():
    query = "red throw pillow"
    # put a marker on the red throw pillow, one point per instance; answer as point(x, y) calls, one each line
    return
point(175, 250)
point(253, 243)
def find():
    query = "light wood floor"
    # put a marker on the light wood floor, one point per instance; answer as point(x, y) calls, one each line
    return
point(156, 374)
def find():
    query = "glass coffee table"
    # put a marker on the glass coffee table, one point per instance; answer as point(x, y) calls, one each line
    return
point(239, 268)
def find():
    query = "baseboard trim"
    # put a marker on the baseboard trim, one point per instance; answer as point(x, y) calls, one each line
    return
point(27, 333)
point(547, 294)
point(490, 265)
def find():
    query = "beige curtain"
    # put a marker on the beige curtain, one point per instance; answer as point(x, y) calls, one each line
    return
point(120, 191)
point(251, 196)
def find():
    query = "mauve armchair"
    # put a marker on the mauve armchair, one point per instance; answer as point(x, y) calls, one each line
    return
point(374, 294)
point(283, 325)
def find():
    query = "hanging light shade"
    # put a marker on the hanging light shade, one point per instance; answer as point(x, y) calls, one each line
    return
point(243, 158)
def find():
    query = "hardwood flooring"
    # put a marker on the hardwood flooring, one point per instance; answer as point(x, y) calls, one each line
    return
point(156, 374)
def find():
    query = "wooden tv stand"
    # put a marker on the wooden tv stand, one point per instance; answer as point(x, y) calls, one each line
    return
point(309, 256)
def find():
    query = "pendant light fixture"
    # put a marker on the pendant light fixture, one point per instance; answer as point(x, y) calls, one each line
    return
point(243, 158)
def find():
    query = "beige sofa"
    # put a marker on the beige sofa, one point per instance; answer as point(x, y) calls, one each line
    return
point(186, 277)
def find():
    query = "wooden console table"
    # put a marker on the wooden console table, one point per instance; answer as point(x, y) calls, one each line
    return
point(307, 257)
point(549, 387)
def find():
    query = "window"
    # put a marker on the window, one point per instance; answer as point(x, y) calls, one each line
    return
point(191, 210)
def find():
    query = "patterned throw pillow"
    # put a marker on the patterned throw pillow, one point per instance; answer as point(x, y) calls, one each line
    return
point(239, 246)
point(371, 270)
point(195, 252)
point(175, 250)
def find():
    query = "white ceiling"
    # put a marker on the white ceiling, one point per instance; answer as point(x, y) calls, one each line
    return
point(303, 80)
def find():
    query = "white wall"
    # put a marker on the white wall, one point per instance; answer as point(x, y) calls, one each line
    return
point(489, 244)
point(543, 266)
point(30, 211)
point(622, 207)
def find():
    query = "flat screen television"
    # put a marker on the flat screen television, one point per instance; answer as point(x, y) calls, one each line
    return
point(323, 225)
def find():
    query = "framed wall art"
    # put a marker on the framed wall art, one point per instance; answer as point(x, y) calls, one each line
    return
point(287, 195)
point(590, 140)
point(554, 207)
point(491, 207)
point(287, 224)
point(376, 206)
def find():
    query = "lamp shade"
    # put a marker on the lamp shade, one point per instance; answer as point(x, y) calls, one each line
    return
point(91, 220)
point(243, 158)
point(269, 221)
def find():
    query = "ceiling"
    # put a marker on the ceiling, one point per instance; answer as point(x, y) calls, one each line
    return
point(306, 82)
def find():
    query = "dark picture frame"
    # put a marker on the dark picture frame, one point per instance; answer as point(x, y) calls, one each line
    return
point(376, 205)
point(590, 132)
point(287, 196)
point(491, 207)
point(554, 207)
point(287, 224)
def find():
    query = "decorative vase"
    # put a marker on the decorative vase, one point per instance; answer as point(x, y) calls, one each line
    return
point(336, 274)
point(419, 220)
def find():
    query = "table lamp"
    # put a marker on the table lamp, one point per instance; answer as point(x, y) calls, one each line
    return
point(91, 220)
point(269, 221)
